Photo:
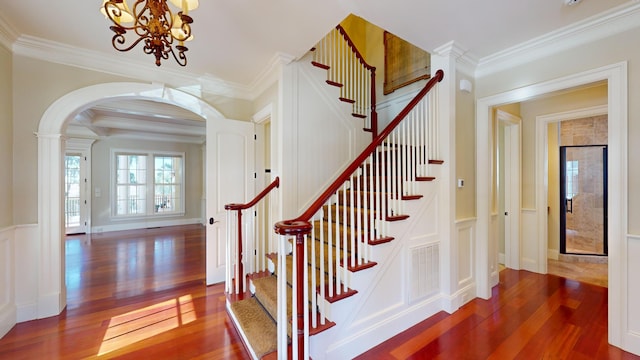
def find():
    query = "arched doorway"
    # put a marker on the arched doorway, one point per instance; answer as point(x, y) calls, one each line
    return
point(51, 292)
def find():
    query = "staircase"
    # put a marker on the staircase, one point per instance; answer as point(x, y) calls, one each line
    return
point(311, 263)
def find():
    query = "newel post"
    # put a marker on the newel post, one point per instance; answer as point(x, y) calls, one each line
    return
point(239, 265)
point(298, 229)
point(374, 113)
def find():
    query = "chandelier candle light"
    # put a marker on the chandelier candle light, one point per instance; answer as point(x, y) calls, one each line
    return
point(154, 24)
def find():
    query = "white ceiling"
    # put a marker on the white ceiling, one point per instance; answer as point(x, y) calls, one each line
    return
point(235, 41)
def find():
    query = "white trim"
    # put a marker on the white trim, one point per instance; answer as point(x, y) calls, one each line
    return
point(263, 114)
point(59, 53)
point(145, 225)
point(632, 331)
point(616, 75)
point(8, 314)
point(466, 221)
point(354, 344)
point(613, 21)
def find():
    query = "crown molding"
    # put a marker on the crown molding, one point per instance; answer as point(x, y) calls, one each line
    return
point(7, 34)
point(465, 62)
point(55, 52)
point(614, 21)
point(270, 74)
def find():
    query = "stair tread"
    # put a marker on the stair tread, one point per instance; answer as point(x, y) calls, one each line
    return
point(267, 294)
point(259, 328)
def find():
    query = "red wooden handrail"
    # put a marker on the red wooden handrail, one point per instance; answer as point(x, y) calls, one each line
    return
point(374, 113)
point(322, 199)
point(239, 208)
point(353, 47)
point(274, 184)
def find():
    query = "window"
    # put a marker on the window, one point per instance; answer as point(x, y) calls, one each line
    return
point(168, 183)
point(137, 195)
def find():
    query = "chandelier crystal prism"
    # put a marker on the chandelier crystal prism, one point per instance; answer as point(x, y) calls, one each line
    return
point(154, 24)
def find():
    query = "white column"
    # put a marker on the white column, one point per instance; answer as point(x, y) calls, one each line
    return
point(444, 58)
point(51, 284)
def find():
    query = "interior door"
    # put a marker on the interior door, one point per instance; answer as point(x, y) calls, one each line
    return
point(512, 195)
point(230, 179)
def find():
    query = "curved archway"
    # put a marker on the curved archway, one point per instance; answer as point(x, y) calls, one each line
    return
point(51, 291)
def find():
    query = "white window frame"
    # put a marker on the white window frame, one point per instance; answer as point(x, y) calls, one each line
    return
point(149, 184)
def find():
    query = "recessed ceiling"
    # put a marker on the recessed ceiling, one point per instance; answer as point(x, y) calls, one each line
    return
point(140, 119)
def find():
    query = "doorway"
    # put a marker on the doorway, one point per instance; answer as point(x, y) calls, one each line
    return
point(509, 148)
point(615, 76)
point(75, 209)
point(583, 200)
point(49, 282)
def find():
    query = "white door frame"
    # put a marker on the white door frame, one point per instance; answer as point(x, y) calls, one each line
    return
point(50, 286)
point(512, 186)
point(616, 77)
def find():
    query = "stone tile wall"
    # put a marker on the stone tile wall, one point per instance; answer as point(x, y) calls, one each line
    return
point(585, 226)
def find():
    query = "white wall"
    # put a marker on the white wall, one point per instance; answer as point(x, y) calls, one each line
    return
point(317, 136)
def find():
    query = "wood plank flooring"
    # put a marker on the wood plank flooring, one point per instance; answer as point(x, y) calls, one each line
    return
point(529, 316)
point(141, 294)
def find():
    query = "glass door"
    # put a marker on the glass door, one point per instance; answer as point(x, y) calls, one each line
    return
point(583, 200)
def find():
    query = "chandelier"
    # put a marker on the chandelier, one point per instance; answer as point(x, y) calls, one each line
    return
point(153, 24)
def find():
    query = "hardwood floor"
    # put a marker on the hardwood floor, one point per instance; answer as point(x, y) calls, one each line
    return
point(133, 295)
point(529, 316)
point(141, 294)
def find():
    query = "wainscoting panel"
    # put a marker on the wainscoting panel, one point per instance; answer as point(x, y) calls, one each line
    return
point(633, 294)
point(27, 255)
point(465, 232)
point(529, 241)
point(7, 268)
point(495, 256)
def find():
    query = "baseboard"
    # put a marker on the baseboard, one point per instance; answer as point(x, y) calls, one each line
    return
point(8, 319)
point(50, 305)
point(453, 302)
point(356, 344)
point(529, 265)
point(553, 254)
point(145, 225)
point(26, 312)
